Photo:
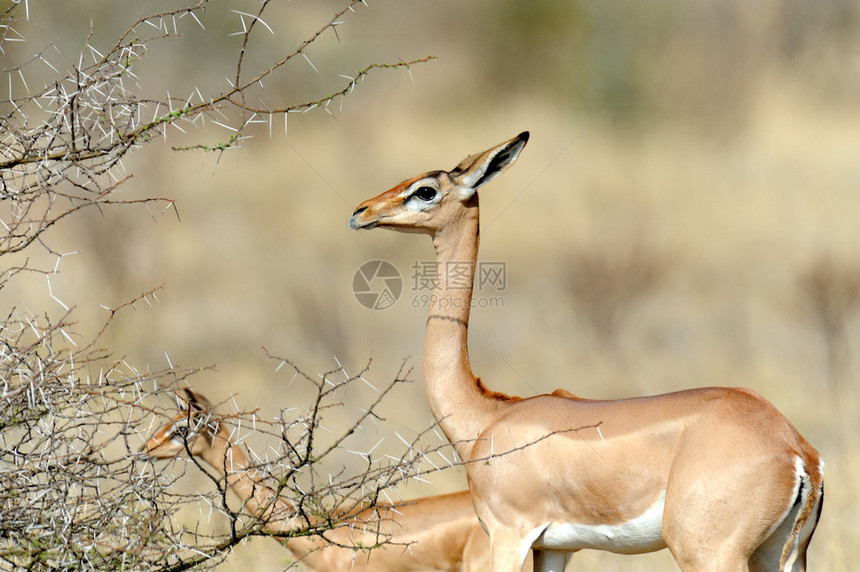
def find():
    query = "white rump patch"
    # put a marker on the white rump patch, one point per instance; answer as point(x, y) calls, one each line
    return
point(804, 488)
point(641, 534)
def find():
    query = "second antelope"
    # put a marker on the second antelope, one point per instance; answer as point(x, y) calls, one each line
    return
point(717, 475)
point(431, 534)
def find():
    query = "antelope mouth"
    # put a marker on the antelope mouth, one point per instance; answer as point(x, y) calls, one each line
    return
point(355, 223)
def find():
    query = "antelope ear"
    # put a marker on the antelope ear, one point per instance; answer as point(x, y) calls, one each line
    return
point(482, 168)
point(184, 398)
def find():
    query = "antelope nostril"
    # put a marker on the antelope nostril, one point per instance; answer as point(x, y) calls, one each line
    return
point(353, 220)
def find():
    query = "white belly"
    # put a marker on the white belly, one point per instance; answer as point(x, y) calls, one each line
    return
point(642, 534)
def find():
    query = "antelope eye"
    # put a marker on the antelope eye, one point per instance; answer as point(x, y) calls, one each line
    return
point(425, 194)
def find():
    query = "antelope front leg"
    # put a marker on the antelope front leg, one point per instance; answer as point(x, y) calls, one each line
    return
point(550, 560)
point(507, 553)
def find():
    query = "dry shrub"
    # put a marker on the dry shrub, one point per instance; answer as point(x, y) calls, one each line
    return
point(75, 493)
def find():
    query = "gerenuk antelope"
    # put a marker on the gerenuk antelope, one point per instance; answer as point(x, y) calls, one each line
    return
point(431, 534)
point(716, 474)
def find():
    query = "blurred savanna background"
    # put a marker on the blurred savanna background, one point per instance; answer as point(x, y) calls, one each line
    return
point(686, 213)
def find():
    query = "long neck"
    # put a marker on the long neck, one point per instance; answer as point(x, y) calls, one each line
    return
point(231, 464)
point(458, 402)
